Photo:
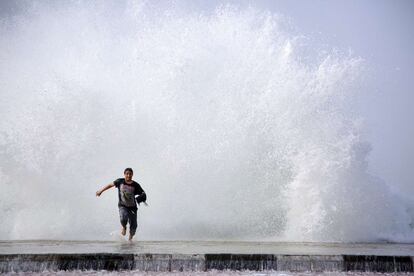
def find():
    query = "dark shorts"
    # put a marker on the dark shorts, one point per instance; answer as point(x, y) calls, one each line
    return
point(128, 215)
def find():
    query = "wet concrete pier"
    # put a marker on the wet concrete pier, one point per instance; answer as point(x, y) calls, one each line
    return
point(204, 256)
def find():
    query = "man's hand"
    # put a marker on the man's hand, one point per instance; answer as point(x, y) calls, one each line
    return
point(99, 192)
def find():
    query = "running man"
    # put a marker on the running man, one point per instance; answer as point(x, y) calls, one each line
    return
point(127, 189)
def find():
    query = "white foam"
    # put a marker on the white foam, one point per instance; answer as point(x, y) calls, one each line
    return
point(237, 127)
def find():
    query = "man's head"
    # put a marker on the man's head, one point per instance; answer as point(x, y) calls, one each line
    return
point(128, 173)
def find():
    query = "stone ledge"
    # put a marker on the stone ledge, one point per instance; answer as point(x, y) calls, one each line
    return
point(378, 263)
point(240, 261)
point(55, 262)
point(204, 262)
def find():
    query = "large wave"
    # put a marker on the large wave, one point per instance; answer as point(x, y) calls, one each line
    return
point(237, 126)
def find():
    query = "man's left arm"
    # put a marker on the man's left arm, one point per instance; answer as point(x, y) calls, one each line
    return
point(139, 190)
point(142, 197)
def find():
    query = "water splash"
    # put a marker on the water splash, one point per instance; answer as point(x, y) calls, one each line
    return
point(237, 127)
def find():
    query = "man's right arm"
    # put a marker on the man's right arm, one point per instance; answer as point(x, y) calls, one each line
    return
point(110, 185)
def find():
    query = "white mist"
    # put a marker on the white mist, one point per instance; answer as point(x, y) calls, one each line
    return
point(237, 128)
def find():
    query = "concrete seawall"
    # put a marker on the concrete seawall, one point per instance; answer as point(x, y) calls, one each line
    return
point(39, 256)
point(204, 262)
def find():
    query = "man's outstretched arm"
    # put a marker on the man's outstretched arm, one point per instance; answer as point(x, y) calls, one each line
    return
point(110, 185)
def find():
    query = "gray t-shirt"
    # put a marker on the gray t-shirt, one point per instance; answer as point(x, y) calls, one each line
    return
point(127, 192)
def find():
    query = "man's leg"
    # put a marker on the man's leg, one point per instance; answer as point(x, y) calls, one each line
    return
point(132, 223)
point(123, 217)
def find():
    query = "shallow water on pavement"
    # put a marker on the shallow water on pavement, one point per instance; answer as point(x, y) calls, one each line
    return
point(203, 247)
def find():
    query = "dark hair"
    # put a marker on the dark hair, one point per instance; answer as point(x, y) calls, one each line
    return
point(128, 170)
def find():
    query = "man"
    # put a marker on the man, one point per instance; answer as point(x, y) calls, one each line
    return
point(127, 189)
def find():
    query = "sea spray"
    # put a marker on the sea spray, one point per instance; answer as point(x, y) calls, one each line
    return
point(237, 127)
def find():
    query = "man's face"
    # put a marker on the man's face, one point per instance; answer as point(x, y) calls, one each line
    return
point(128, 175)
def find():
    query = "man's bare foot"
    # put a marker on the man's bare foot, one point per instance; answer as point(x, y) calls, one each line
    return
point(130, 237)
point(123, 231)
